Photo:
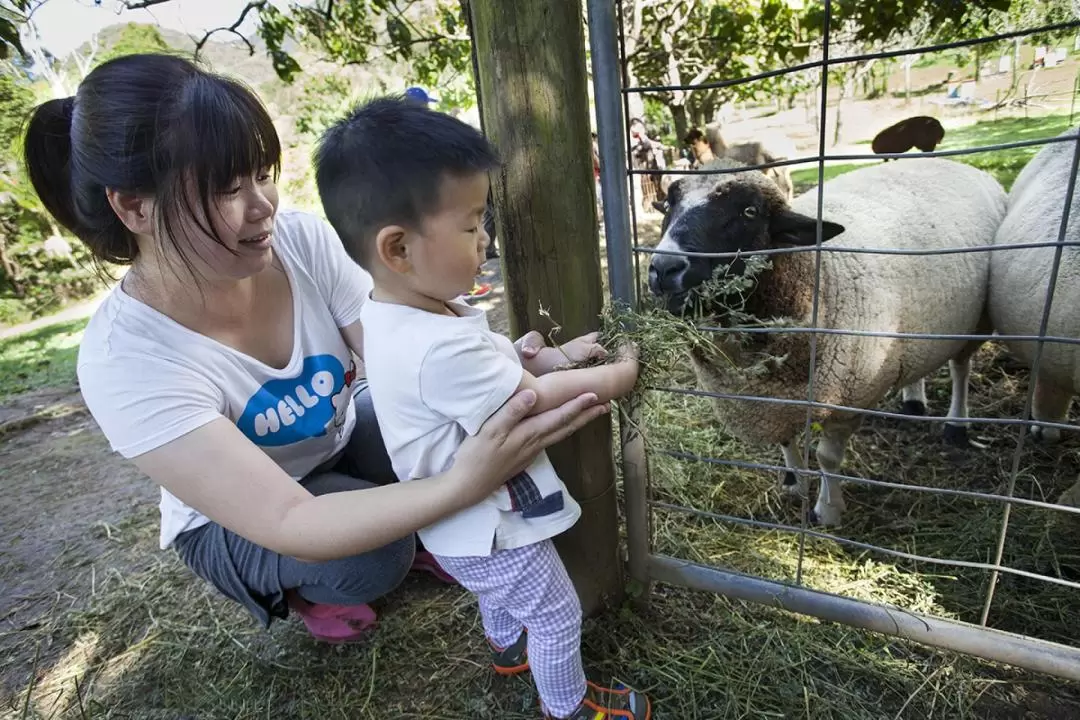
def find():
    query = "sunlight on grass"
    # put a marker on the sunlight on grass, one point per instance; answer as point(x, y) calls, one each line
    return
point(1005, 165)
point(39, 359)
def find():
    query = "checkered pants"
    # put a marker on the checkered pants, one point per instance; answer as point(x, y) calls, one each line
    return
point(528, 587)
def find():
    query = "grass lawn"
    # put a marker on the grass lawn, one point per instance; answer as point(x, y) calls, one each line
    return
point(39, 359)
point(1005, 165)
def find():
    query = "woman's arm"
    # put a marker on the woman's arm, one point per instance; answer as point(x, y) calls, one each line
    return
point(219, 472)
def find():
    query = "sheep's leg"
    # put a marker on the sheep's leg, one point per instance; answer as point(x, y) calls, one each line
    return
point(914, 398)
point(1050, 404)
point(956, 434)
point(830, 506)
point(792, 482)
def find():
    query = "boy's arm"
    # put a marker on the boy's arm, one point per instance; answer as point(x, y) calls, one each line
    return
point(606, 381)
point(538, 358)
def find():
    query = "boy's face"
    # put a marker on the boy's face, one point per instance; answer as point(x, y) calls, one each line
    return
point(447, 253)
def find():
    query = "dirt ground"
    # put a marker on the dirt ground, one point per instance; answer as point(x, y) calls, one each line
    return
point(65, 499)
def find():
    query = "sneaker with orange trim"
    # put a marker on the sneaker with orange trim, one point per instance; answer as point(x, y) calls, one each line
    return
point(621, 703)
point(512, 660)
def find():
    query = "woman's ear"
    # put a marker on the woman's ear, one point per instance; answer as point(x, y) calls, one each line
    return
point(392, 250)
point(135, 211)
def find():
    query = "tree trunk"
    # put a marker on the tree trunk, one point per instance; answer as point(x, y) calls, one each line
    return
point(978, 63)
point(682, 124)
point(1016, 61)
point(907, 81)
point(11, 271)
point(532, 77)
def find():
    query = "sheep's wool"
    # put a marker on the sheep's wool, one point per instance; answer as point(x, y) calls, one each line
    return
point(917, 204)
point(1019, 278)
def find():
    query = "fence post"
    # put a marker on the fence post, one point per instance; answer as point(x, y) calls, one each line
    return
point(531, 62)
point(1072, 100)
point(603, 42)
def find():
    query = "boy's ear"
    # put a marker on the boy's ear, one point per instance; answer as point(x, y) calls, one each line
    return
point(391, 249)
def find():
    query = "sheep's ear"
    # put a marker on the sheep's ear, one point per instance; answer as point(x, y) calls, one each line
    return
point(788, 227)
point(660, 206)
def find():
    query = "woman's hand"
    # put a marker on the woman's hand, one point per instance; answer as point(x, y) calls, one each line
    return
point(508, 442)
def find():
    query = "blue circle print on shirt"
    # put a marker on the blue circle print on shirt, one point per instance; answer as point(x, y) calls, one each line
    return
point(288, 410)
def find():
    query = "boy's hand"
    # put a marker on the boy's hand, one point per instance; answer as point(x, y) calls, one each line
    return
point(584, 348)
point(548, 359)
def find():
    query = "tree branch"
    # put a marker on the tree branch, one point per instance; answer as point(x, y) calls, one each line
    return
point(143, 4)
point(253, 5)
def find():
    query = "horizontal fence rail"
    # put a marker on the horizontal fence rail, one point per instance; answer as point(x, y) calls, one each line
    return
point(817, 534)
point(845, 59)
point(858, 251)
point(987, 643)
point(814, 404)
point(782, 330)
point(848, 157)
point(810, 472)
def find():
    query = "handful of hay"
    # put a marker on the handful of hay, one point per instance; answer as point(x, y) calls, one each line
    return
point(664, 340)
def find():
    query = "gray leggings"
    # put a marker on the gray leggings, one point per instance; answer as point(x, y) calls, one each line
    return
point(258, 578)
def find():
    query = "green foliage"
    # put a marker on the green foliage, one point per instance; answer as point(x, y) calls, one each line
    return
point(16, 101)
point(693, 42)
point(31, 282)
point(883, 21)
point(13, 13)
point(326, 98)
point(135, 38)
point(431, 37)
point(274, 27)
point(40, 284)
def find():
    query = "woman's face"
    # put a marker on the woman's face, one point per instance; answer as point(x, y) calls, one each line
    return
point(242, 215)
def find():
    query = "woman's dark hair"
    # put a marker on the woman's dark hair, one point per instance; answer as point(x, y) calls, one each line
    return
point(151, 124)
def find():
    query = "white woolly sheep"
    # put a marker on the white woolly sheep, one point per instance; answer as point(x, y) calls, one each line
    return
point(1019, 280)
point(918, 204)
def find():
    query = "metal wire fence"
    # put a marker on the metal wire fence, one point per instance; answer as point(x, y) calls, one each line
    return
point(624, 253)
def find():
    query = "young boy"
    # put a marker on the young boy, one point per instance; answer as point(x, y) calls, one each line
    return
point(406, 187)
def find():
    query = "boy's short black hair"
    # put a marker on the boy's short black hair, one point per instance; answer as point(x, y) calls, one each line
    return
point(383, 164)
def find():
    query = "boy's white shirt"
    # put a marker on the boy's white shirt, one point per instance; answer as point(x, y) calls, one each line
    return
point(434, 379)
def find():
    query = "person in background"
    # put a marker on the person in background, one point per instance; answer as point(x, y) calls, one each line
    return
point(699, 145)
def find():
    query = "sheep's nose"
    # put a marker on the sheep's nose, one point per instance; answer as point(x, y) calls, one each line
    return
point(665, 273)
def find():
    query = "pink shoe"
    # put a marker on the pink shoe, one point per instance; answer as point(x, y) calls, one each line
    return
point(426, 562)
point(333, 623)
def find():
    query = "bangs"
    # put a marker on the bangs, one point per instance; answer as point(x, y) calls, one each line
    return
point(224, 133)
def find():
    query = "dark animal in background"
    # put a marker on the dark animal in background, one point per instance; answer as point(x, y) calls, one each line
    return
point(921, 131)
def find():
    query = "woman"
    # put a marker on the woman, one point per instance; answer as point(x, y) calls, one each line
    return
point(223, 363)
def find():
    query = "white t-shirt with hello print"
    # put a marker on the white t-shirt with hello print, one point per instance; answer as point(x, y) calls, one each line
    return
point(434, 380)
point(148, 380)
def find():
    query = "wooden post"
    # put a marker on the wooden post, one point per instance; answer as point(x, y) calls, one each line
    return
point(531, 67)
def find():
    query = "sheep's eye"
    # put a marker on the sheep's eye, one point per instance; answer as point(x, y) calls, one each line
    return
point(750, 212)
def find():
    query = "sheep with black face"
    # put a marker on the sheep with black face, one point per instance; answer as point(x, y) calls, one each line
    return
point(916, 205)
